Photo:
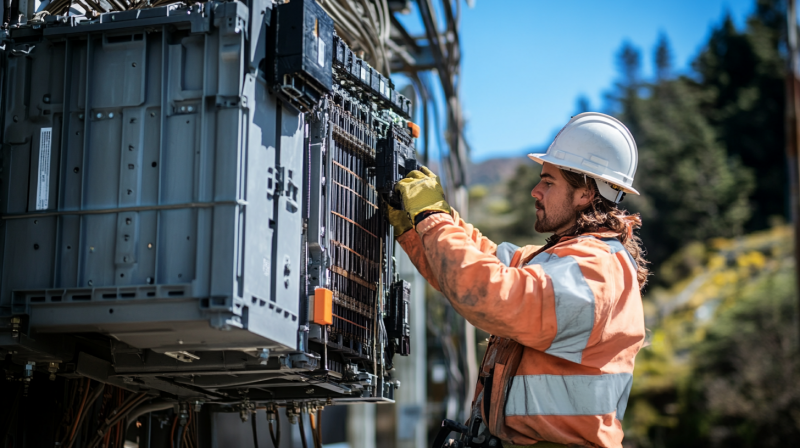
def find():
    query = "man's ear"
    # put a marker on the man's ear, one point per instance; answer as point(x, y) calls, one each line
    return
point(583, 197)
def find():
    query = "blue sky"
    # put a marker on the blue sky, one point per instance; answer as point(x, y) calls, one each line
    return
point(526, 62)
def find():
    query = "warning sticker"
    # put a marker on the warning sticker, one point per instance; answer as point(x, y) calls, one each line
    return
point(43, 184)
point(321, 53)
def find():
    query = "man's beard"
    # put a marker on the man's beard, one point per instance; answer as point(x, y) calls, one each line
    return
point(553, 220)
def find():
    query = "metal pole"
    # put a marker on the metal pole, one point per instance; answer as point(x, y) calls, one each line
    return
point(792, 135)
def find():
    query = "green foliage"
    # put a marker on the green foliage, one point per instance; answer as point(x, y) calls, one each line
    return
point(691, 188)
point(742, 84)
point(747, 368)
point(722, 368)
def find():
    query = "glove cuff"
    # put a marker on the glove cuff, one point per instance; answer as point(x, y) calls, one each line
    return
point(439, 206)
point(421, 216)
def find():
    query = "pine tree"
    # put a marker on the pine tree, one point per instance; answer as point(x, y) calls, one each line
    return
point(741, 76)
point(691, 189)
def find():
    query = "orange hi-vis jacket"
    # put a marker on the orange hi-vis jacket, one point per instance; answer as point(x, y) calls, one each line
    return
point(566, 324)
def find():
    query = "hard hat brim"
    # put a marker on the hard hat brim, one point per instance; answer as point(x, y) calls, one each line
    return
point(541, 158)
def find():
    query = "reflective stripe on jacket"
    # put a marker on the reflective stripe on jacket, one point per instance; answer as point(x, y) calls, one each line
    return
point(566, 327)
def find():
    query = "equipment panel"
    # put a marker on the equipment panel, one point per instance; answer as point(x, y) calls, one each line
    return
point(194, 206)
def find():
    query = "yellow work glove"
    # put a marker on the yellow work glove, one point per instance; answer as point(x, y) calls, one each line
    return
point(399, 220)
point(422, 191)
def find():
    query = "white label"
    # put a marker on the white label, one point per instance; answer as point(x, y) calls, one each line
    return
point(321, 53)
point(43, 184)
point(363, 73)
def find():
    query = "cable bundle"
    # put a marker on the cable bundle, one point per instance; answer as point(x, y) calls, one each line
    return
point(365, 25)
point(88, 7)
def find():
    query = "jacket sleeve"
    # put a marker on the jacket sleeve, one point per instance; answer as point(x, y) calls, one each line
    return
point(412, 245)
point(516, 303)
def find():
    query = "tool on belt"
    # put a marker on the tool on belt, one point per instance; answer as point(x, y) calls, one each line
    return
point(469, 436)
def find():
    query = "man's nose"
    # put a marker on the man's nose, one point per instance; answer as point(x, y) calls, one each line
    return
point(536, 194)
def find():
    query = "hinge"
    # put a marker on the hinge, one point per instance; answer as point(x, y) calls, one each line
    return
point(279, 179)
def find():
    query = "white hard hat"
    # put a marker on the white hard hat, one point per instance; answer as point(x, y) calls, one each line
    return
point(599, 146)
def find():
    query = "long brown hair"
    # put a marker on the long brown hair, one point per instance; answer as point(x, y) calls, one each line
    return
point(603, 214)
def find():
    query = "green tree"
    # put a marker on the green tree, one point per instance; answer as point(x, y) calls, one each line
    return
point(691, 189)
point(741, 77)
point(745, 388)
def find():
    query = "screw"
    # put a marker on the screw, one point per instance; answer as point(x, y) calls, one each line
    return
point(53, 368)
point(15, 321)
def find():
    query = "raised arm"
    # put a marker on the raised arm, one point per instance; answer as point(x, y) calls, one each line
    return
point(507, 302)
point(412, 245)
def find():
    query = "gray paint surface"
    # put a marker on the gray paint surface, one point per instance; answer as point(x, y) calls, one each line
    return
point(159, 192)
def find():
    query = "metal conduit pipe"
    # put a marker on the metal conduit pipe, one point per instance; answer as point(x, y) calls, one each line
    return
point(159, 405)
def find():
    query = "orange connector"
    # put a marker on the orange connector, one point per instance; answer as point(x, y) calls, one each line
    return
point(414, 129)
point(323, 306)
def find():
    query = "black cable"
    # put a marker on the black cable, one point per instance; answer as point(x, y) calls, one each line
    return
point(302, 431)
point(255, 430)
point(276, 441)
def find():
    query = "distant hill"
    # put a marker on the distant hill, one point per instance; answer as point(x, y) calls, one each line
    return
point(494, 171)
point(489, 172)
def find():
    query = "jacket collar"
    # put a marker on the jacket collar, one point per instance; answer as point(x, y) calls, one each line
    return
point(601, 233)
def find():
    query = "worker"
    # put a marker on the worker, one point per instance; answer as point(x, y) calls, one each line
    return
point(566, 318)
